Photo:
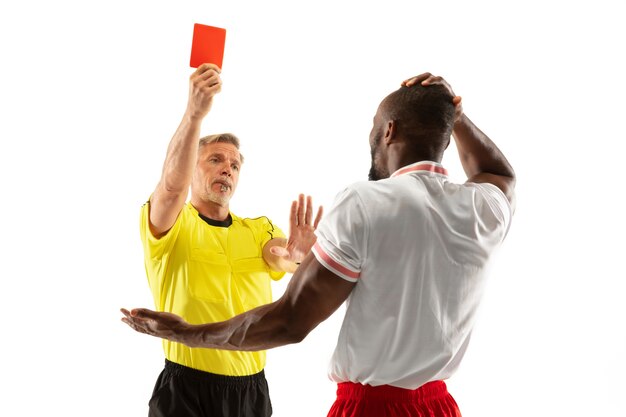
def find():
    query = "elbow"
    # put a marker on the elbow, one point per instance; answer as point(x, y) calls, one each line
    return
point(296, 330)
point(511, 174)
point(293, 327)
point(175, 189)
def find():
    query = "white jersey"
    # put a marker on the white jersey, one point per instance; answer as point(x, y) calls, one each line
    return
point(417, 245)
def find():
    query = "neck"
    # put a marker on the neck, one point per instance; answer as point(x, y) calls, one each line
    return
point(403, 151)
point(211, 210)
point(401, 159)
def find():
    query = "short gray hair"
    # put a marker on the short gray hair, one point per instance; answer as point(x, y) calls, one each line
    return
point(221, 138)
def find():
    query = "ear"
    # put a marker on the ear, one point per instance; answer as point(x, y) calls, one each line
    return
point(390, 132)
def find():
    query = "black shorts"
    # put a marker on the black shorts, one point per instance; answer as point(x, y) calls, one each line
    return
point(185, 392)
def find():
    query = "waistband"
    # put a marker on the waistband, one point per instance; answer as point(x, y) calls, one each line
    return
point(356, 391)
point(181, 370)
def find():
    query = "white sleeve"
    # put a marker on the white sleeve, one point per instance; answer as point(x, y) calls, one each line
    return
point(342, 236)
point(497, 212)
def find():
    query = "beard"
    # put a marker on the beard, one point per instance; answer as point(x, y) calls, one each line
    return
point(375, 173)
point(219, 199)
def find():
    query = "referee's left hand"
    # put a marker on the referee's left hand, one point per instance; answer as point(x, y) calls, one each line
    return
point(302, 228)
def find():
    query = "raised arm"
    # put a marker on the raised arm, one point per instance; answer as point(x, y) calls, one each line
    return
point(171, 192)
point(312, 295)
point(480, 157)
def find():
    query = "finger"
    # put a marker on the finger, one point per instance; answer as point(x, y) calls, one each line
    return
point(458, 107)
point(208, 78)
point(320, 211)
point(207, 67)
point(132, 325)
point(293, 215)
point(301, 210)
point(143, 314)
point(209, 75)
point(209, 81)
point(279, 251)
point(433, 79)
point(414, 80)
point(140, 329)
point(198, 77)
point(128, 322)
point(308, 216)
point(417, 79)
point(129, 319)
point(213, 90)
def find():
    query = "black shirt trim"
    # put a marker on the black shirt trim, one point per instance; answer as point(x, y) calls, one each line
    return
point(217, 223)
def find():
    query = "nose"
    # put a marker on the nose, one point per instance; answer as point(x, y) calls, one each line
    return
point(227, 170)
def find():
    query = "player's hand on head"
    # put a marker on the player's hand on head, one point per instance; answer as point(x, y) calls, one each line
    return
point(427, 79)
point(416, 79)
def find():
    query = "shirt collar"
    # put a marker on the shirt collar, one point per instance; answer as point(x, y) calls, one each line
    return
point(225, 223)
point(428, 166)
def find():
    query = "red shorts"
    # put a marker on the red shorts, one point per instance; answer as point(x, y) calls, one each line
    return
point(429, 400)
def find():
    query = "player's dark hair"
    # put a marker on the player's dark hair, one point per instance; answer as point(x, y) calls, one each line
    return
point(424, 115)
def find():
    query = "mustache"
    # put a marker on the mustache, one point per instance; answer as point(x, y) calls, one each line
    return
point(222, 182)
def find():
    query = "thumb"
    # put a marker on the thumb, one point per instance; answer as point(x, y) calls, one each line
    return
point(279, 251)
point(143, 313)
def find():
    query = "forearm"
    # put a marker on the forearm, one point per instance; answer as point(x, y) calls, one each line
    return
point(265, 327)
point(313, 294)
point(182, 154)
point(478, 154)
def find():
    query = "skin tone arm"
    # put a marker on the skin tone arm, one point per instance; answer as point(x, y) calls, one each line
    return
point(286, 254)
point(312, 295)
point(480, 157)
point(170, 194)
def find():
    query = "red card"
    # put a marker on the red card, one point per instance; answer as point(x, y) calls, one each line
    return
point(207, 45)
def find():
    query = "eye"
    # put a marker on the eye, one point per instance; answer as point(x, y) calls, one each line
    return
point(235, 167)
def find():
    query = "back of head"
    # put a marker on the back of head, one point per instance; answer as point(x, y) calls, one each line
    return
point(424, 117)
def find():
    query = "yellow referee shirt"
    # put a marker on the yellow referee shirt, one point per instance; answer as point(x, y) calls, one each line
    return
point(208, 274)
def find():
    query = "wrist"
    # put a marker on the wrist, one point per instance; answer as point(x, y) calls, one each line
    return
point(460, 118)
point(190, 336)
point(194, 116)
point(459, 122)
point(290, 266)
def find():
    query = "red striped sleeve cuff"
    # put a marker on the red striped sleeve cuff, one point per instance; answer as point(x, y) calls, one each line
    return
point(334, 266)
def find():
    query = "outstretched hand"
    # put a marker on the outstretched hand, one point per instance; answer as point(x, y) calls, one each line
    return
point(427, 79)
point(301, 230)
point(158, 324)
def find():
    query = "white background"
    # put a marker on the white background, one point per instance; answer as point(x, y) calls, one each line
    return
point(91, 92)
